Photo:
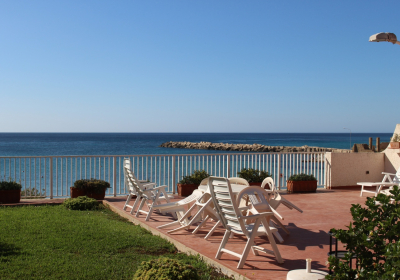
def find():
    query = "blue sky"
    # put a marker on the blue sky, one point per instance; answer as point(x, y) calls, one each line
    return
point(198, 66)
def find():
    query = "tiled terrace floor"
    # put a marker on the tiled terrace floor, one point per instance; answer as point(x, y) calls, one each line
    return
point(308, 237)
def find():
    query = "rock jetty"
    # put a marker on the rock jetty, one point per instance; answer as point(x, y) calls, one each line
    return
point(247, 147)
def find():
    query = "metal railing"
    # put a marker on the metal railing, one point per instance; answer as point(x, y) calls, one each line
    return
point(51, 176)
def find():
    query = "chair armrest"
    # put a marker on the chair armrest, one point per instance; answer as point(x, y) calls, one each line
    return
point(260, 215)
point(385, 173)
point(160, 187)
point(148, 184)
point(244, 208)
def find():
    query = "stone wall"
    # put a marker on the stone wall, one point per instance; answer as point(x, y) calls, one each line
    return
point(247, 147)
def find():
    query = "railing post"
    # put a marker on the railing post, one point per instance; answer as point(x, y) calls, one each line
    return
point(173, 175)
point(115, 176)
point(228, 166)
point(279, 171)
point(51, 178)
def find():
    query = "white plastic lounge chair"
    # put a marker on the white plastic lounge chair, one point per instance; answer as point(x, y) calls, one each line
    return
point(388, 180)
point(203, 206)
point(131, 190)
point(275, 198)
point(180, 207)
point(238, 180)
point(143, 185)
point(234, 222)
point(150, 197)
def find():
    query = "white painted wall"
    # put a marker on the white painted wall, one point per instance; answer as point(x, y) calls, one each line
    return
point(345, 170)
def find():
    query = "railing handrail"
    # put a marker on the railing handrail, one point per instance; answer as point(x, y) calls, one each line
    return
point(158, 155)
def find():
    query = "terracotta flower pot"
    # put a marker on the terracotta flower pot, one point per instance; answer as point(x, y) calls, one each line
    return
point(186, 189)
point(77, 192)
point(394, 145)
point(301, 186)
point(99, 195)
point(10, 196)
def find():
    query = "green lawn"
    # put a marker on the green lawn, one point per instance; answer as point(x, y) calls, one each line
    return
point(51, 242)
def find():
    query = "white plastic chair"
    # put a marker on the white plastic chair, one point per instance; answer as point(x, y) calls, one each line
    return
point(149, 197)
point(204, 212)
point(143, 185)
point(234, 222)
point(180, 207)
point(389, 180)
point(238, 180)
point(129, 186)
point(275, 199)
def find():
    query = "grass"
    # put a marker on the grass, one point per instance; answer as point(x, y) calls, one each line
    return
point(51, 242)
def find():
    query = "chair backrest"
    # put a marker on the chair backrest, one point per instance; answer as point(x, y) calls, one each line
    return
point(127, 165)
point(225, 206)
point(270, 182)
point(204, 182)
point(133, 182)
point(238, 181)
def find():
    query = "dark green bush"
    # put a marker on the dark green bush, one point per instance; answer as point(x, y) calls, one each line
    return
point(81, 203)
point(196, 177)
point(253, 175)
point(302, 177)
point(93, 185)
point(7, 186)
point(165, 269)
point(373, 237)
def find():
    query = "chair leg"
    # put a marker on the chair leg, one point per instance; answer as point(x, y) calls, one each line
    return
point(223, 243)
point(179, 228)
point(272, 241)
point(140, 206)
point(249, 244)
point(135, 204)
point(127, 201)
point(203, 222)
point(212, 230)
point(169, 224)
point(280, 224)
point(150, 212)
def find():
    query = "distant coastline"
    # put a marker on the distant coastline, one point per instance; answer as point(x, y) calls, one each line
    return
point(246, 147)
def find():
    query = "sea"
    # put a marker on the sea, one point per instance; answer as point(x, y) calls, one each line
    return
point(70, 144)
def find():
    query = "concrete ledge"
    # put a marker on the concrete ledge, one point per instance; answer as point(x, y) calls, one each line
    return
point(181, 247)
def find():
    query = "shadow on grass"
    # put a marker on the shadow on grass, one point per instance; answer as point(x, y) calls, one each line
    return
point(7, 250)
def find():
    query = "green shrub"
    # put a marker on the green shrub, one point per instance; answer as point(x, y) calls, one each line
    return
point(196, 177)
point(373, 237)
point(81, 203)
point(302, 177)
point(253, 175)
point(165, 269)
point(93, 185)
point(7, 186)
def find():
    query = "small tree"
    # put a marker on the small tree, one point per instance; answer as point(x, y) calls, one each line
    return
point(372, 238)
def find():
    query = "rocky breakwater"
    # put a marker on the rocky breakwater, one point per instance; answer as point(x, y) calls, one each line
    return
point(247, 147)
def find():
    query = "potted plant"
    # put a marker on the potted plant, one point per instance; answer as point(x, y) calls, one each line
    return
point(395, 141)
point(10, 192)
point(301, 183)
point(189, 183)
point(92, 188)
point(253, 176)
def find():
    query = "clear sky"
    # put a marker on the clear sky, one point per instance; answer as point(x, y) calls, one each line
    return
point(198, 66)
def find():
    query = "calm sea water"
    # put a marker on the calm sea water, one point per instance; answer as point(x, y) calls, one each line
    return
point(52, 144)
